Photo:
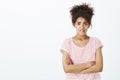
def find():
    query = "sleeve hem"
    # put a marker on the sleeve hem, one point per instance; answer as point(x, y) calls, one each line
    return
point(61, 50)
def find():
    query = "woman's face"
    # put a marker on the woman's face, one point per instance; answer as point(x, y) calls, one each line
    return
point(81, 26)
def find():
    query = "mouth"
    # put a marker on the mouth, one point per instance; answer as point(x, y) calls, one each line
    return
point(82, 30)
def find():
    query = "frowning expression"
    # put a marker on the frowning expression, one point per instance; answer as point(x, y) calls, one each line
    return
point(81, 26)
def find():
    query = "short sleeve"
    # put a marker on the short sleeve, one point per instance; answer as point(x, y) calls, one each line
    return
point(65, 46)
point(98, 43)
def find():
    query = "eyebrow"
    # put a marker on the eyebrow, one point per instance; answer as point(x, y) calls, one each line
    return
point(83, 22)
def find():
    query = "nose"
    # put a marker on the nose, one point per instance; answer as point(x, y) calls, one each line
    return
point(82, 26)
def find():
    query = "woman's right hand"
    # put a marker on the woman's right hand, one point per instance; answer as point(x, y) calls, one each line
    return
point(68, 59)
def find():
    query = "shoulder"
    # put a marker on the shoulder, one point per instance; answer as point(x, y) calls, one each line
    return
point(65, 45)
point(95, 39)
point(97, 42)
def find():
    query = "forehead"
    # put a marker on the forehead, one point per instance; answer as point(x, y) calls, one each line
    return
point(81, 19)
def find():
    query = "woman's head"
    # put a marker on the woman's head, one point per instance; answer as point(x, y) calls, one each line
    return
point(82, 10)
point(81, 18)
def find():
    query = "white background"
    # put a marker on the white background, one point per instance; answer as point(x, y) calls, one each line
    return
point(31, 33)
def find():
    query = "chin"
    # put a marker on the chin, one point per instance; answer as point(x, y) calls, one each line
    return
point(82, 34)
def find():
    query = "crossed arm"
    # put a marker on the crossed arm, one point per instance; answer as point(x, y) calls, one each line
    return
point(89, 67)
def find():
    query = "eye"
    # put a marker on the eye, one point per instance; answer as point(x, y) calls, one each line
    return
point(86, 24)
point(78, 23)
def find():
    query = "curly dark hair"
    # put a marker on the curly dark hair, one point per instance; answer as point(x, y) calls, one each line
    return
point(82, 10)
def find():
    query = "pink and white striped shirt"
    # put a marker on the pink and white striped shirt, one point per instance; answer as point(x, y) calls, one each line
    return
point(82, 55)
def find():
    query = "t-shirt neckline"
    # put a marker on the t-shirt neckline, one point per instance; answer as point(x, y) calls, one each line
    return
point(81, 47)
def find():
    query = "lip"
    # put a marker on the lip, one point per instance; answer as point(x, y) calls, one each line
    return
point(82, 30)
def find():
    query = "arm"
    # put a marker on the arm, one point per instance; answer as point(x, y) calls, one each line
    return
point(69, 67)
point(98, 67)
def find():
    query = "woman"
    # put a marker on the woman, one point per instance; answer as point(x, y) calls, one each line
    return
point(82, 54)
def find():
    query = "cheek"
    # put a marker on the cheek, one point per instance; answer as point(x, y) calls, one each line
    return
point(76, 27)
point(86, 28)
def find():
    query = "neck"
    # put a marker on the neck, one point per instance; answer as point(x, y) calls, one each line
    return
point(81, 37)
